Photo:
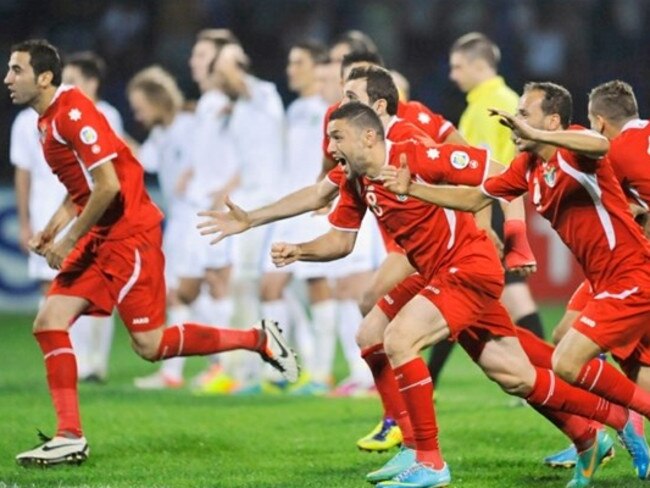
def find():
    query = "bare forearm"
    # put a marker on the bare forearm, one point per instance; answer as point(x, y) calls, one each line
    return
point(584, 142)
point(328, 247)
point(465, 198)
point(100, 199)
point(514, 210)
point(299, 202)
point(22, 182)
point(61, 218)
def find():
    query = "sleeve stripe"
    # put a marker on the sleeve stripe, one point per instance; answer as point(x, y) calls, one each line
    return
point(444, 128)
point(329, 180)
point(344, 229)
point(488, 194)
point(487, 165)
point(102, 161)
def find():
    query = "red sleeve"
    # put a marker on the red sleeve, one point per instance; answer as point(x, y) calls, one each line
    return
point(86, 131)
point(510, 184)
point(450, 163)
point(435, 125)
point(349, 210)
point(336, 176)
point(326, 138)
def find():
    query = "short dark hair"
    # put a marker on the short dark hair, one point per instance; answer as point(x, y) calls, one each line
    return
point(357, 41)
point(359, 115)
point(43, 57)
point(476, 45)
point(614, 100)
point(379, 85)
point(218, 36)
point(316, 49)
point(557, 100)
point(360, 57)
point(89, 63)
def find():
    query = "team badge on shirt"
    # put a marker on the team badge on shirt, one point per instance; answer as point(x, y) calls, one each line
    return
point(550, 176)
point(424, 118)
point(459, 159)
point(74, 114)
point(88, 135)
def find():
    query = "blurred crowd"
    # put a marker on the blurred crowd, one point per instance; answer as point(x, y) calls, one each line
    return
point(578, 43)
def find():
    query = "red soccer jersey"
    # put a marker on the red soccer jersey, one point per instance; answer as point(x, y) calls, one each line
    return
point(432, 237)
point(629, 154)
point(583, 201)
point(76, 138)
point(434, 125)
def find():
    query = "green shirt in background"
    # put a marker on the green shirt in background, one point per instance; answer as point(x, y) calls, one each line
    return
point(479, 129)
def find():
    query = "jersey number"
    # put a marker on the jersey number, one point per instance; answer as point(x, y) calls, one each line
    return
point(371, 201)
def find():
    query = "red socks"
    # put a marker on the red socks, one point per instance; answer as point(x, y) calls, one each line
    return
point(416, 388)
point(61, 367)
point(605, 380)
point(550, 391)
point(199, 340)
point(581, 431)
point(386, 384)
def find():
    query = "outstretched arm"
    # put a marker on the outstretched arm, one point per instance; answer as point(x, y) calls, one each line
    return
point(465, 198)
point(336, 244)
point(236, 220)
point(586, 142)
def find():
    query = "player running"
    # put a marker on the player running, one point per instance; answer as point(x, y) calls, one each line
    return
point(111, 255)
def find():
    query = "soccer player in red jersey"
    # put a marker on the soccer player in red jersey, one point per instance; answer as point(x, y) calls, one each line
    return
point(613, 112)
point(456, 294)
point(111, 255)
point(574, 186)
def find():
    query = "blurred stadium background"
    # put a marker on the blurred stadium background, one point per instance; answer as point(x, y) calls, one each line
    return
point(578, 43)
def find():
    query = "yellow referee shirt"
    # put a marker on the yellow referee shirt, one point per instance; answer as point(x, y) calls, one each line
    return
point(479, 129)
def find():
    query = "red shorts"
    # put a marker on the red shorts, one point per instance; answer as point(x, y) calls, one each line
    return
point(580, 297)
point(618, 319)
point(127, 274)
point(468, 300)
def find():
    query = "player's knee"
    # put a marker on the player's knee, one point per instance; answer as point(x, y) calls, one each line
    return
point(396, 342)
point(565, 367)
point(48, 321)
point(512, 383)
point(368, 301)
point(147, 347)
point(366, 335)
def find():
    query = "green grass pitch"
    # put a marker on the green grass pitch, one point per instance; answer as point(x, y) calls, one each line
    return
point(175, 439)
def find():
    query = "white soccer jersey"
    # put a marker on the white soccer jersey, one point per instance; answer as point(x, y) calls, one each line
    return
point(304, 135)
point(168, 153)
point(258, 126)
point(112, 115)
point(214, 159)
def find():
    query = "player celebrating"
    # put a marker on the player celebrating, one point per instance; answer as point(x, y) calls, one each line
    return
point(575, 188)
point(473, 62)
point(455, 295)
point(613, 112)
point(111, 255)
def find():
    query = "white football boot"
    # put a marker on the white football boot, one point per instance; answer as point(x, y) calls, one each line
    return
point(55, 450)
point(277, 351)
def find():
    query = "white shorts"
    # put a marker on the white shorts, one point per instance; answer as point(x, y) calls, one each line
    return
point(368, 251)
point(249, 251)
point(195, 254)
point(301, 228)
point(173, 250)
point(37, 268)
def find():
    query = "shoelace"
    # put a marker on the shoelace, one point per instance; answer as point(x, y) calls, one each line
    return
point(385, 428)
point(633, 448)
point(408, 472)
